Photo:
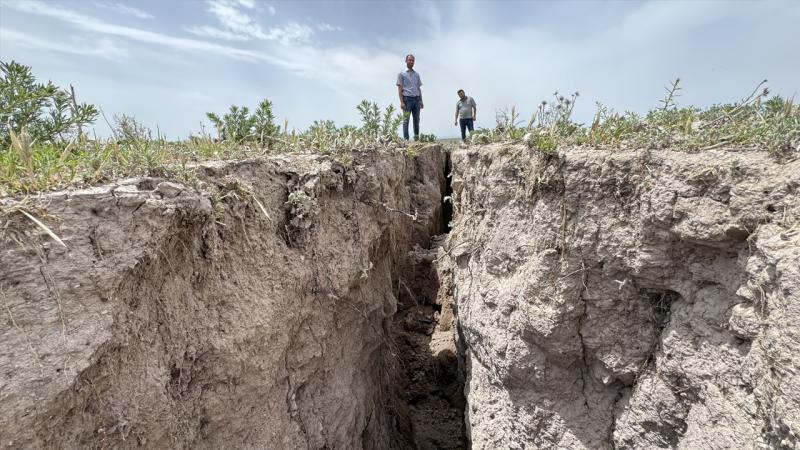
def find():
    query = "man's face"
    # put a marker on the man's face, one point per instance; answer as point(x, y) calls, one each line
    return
point(410, 62)
point(461, 95)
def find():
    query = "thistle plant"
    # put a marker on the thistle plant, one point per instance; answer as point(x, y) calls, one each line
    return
point(554, 113)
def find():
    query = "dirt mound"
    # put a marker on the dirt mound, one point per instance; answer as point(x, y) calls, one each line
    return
point(627, 299)
point(253, 313)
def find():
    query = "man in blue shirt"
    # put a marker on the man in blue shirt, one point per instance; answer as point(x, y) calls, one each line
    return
point(409, 88)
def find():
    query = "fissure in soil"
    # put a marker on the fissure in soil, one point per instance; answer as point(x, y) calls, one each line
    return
point(426, 346)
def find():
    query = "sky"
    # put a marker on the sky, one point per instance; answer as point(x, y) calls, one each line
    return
point(169, 62)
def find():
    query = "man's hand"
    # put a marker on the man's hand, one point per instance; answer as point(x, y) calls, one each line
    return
point(455, 123)
point(421, 105)
point(402, 106)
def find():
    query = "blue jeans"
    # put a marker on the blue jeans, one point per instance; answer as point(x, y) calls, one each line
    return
point(465, 123)
point(412, 109)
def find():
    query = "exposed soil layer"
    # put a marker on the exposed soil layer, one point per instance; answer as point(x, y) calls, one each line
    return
point(627, 298)
point(254, 311)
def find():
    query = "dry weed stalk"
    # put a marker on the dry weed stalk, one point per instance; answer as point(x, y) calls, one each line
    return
point(22, 143)
point(24, 207)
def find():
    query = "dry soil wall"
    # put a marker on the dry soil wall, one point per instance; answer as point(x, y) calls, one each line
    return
point(627, 299)
point(249, 313)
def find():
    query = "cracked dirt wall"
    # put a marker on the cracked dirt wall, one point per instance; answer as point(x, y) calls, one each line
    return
point(627, 299)
point(251, 313)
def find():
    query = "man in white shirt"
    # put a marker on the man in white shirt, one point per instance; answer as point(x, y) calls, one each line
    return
point(409, 88)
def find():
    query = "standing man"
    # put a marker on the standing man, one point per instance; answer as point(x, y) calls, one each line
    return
point(466, 113)
point(409, 88)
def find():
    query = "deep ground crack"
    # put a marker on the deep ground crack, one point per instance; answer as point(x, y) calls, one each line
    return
point(424, 334)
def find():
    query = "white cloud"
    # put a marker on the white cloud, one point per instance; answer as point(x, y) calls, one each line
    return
point(324, 26)
point(235, 20)
point(125, 9)
point(216, 33)
point(271, 9)
point(103, 48)
point(238, 25)
point(292, 33)
point(92, 24)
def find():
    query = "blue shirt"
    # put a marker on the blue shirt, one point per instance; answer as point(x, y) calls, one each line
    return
point(410, 82)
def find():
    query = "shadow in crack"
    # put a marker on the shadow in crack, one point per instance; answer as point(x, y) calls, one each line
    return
point(430, 379)
point(426, 349)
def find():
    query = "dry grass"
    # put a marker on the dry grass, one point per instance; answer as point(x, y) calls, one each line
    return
point(27, 167)
point(27, 209)
point(755, 122)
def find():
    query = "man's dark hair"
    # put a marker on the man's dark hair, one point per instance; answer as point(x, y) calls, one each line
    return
point(411, 55)
point(459, 91)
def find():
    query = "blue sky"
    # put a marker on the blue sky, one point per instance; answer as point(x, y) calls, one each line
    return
point(169, 62)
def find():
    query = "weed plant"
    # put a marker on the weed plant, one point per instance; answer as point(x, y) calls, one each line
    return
point(756, 122)
point(48, 115)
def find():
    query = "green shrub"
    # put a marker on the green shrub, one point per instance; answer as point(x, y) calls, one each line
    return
point(545, 142)
point(238, 125)
point(49, 114)
point(375, 125)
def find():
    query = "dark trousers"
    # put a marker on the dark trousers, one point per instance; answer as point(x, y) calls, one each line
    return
point(465, 123)
point(412, 109)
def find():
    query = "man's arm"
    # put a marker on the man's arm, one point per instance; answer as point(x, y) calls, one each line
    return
point(419, 87)
point(400, 91)
point(456, 119)
point(474, 110)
